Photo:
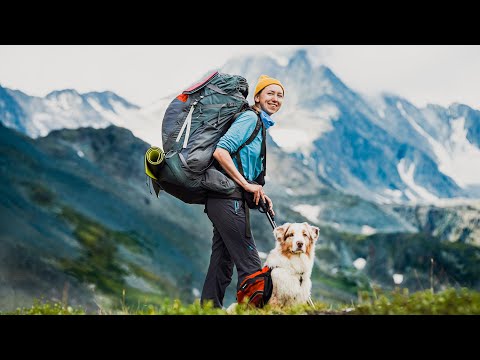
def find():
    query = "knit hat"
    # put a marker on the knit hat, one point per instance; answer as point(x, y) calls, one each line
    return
point(264, 81)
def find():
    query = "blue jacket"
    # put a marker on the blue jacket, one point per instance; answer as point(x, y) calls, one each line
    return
point(238, 134)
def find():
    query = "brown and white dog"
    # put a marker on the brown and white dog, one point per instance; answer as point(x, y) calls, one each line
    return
point(291, 262)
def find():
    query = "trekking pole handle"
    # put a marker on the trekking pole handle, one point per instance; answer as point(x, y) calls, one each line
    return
point(264, 207)
point(267, 211)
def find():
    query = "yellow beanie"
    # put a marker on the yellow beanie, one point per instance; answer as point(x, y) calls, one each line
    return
point(264, 81)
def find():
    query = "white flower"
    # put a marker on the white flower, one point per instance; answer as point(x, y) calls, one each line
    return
point(397, 279)
point(360, 263)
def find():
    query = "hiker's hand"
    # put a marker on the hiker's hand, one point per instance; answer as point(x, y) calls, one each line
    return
point(269, 205)
point(257, 191)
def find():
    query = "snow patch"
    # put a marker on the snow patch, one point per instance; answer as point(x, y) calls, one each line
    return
point(368, 230)
point(119, 116)
point(360, 263)
point(407, 176)
point(296, 131)
point(329, 112)
point(396, 194)
point(311, 212)
point(457, 158)
point(391, 196)
point(292, 140)
point(463, 161)
point(40, 122)
point(411, 196)
point(95, 104)
point(382, 199)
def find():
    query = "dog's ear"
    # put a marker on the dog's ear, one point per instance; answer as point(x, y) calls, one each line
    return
point(314, 231)
point(280, 231)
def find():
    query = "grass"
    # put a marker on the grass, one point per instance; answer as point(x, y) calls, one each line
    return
point(398, 302)
point(41, 307)
point(100, 262)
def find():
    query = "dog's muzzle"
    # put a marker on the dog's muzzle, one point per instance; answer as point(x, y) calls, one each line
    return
point(300, 248)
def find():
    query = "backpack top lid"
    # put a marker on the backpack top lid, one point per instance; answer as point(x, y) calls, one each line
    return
point(198, 85)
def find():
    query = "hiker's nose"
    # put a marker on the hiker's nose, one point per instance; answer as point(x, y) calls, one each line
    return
point(299, 244)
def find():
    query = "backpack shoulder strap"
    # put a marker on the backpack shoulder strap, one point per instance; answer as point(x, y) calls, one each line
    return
point(236, 154)
point(258, 126)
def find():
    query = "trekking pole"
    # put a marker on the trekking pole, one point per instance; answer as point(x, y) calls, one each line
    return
point(270, 217)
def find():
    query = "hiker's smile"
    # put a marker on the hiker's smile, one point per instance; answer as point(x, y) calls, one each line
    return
point(270, 98)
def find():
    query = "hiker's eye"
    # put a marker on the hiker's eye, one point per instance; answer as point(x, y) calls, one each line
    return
point(272, 93)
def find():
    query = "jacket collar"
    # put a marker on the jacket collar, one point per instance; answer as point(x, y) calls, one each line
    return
point(267, 120)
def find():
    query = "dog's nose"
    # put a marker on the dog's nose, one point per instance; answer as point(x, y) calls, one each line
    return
point(299, 244)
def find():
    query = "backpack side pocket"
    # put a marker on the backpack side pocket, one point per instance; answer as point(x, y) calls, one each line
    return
point(216, 181)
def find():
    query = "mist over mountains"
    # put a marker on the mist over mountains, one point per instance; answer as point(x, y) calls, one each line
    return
point(384, 149)
point(384, 180)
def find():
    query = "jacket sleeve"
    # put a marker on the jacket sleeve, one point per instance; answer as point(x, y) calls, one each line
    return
point(239, 132)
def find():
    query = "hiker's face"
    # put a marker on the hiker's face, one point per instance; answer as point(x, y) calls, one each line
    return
point(270, 99)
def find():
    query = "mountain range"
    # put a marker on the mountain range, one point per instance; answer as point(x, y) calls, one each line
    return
point(385, 181)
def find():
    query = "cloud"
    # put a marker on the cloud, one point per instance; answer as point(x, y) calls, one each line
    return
point(440, 74)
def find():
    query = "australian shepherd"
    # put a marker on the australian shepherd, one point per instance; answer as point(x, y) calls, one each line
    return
point(291, 262)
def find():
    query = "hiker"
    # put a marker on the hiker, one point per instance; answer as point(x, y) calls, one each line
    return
point(232, 242)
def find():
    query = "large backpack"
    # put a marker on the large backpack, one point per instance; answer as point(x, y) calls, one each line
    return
point(192, 125)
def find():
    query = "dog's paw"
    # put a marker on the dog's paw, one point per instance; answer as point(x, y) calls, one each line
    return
point(231, 309)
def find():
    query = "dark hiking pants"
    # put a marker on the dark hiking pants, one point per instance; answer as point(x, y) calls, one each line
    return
point(230, 246)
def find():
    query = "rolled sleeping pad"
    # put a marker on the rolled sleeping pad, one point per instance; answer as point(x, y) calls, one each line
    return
point(154, 158)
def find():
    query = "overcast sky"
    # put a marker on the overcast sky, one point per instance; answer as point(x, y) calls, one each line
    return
point(440, 74)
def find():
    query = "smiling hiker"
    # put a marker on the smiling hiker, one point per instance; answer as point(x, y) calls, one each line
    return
point(241, 154)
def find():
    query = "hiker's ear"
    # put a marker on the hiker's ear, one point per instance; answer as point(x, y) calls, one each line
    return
point(280, 231)
point(314, 232)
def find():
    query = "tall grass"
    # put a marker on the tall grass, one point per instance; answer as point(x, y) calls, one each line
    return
point(398, 302)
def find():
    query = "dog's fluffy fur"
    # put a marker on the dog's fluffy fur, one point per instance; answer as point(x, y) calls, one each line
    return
point(292, 262)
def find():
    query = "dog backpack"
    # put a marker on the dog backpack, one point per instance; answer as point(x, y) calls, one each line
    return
point(192, 125)
point(256, 289)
